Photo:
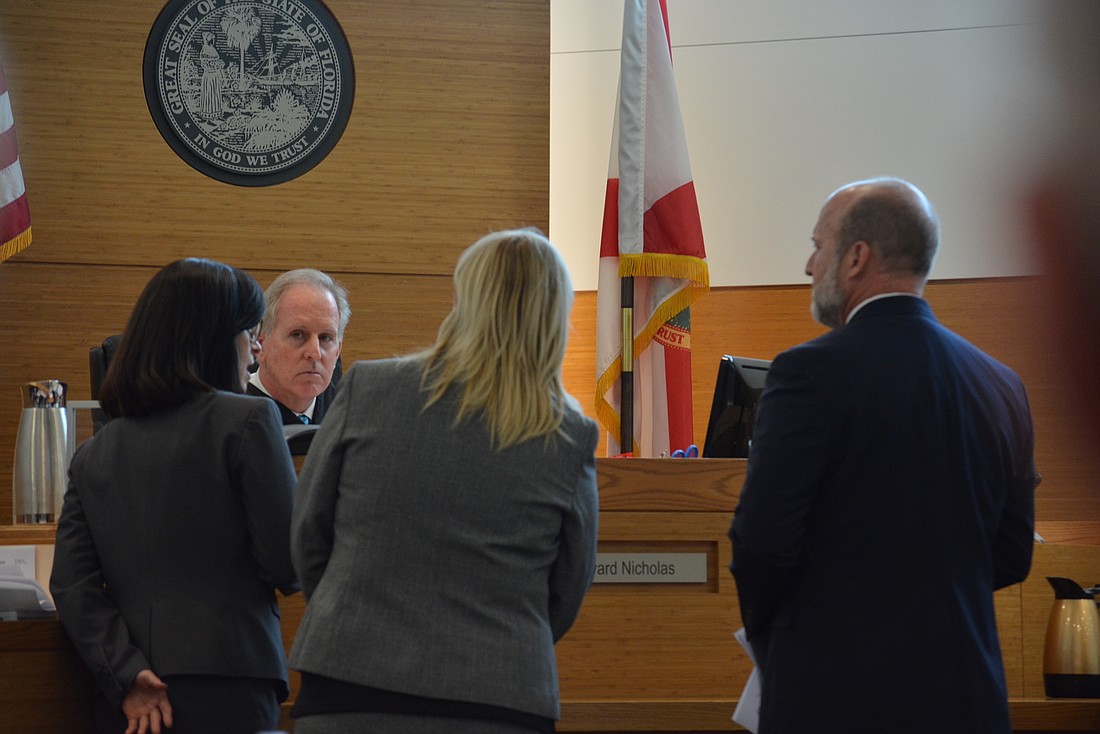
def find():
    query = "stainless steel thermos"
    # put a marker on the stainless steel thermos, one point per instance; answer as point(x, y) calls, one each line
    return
point(43, 449)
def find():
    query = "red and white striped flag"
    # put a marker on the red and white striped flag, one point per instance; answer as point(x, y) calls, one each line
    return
point(651, 231)
point(15, 216)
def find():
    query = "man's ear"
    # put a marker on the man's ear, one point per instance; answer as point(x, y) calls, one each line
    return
point(857, 258)
point(260, 354)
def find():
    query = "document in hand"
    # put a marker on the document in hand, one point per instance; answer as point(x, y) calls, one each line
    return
point(747, 713)
point(21, 596)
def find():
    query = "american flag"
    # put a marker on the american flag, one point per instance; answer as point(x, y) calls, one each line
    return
point(15, 216)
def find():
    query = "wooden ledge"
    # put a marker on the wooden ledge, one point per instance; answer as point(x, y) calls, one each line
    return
point(1067, 532)
point(1055, 714)
point(1028, 714)
point(670, 485)
point(648, 715)
point(28, 534)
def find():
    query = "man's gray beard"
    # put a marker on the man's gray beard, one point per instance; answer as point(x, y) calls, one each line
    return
point(827, 299)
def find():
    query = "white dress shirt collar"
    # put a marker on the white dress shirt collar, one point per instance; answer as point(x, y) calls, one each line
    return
point(254, 378)
point(878, 297)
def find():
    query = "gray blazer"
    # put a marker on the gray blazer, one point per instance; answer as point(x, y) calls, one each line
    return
point(431, 564)
point(172, 541)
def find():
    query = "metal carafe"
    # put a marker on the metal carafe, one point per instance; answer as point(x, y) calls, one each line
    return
point(43, 449)
point(1071, 658)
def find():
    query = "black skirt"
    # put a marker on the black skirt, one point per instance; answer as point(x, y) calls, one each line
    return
point(322, 695)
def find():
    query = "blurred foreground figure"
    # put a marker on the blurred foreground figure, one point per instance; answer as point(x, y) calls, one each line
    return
point(1066, 199)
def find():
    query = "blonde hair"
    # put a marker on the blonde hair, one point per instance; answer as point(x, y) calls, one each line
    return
point(503, 343)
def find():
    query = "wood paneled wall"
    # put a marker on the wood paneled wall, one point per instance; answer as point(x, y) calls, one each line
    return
point(448, 140)
point(449, 137)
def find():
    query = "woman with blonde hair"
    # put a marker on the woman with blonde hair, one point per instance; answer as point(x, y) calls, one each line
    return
point(444, 528)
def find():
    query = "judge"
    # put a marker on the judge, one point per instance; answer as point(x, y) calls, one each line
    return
point(301, 336)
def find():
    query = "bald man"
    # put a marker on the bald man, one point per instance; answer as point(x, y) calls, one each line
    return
point(889, 491)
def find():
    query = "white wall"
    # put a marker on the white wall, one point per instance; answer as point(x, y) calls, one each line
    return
point(785, 100)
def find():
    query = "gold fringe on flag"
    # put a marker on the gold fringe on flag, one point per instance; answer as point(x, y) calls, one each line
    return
point(18, 244)
point(658, 264)
point(651, 265)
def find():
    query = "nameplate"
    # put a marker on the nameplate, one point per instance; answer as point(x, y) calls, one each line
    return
point(651, 568)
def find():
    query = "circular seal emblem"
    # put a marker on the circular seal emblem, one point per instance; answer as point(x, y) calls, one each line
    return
point(249, 92)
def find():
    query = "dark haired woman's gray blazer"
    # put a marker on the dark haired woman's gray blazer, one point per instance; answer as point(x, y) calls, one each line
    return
point(172, 540)
point(432, 564)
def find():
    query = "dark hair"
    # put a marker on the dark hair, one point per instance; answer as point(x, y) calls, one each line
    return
point(180, 340)
point(896, 219)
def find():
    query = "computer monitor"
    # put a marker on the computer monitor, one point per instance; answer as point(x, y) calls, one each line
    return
point(736, 393)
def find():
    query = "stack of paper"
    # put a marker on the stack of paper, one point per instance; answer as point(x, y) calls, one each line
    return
point(22, 598)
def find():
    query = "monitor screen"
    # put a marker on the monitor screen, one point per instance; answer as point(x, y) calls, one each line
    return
point(736, 393)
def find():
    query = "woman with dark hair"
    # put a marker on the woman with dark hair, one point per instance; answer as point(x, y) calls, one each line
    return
point(174, 533)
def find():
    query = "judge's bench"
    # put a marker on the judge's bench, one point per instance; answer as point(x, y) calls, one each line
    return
point(653, 648)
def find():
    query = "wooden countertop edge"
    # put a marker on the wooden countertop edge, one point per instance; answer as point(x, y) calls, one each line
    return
point(43, 534)
point(697, 498)
point(706, 496)
point(1028, 714)
point(1055, 714)
point(648, 715)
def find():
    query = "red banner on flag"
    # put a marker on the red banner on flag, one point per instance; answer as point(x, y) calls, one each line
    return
point(652, 232)
point(15, 216)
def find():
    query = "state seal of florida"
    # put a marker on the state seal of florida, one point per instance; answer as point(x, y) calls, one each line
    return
point(249, 92)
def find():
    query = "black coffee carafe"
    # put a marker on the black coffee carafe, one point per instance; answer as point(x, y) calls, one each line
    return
point(1071, 657)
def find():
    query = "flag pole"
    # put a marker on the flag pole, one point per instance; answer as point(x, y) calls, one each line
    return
point(626, 400)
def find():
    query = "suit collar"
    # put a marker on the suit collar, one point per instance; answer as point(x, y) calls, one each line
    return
point(893, 304)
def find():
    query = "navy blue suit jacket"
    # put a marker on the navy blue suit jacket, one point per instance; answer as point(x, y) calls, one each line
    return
point(889, 491)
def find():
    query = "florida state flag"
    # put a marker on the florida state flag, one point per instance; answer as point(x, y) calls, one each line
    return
point(651, 232)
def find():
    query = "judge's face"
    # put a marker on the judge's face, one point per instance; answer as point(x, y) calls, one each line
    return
point(300, 349)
